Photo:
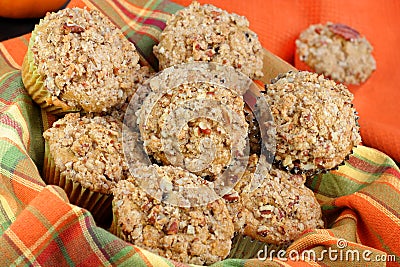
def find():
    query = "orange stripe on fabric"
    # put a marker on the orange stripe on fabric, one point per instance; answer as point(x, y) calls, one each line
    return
point(47, 235)
point(89, 4)
point(390, 180)
point(310, 262)
point(382, 207)
point(20, 178)
point(16, 48)
point(375, 221)
point(311, 241)
point(325, 232)
point(43, 222)
point(8, 57)
point(142, 256)
point(346, 215)
point(76, 3)
point(282, 263)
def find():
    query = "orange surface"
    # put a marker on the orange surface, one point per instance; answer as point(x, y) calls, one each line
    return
point(28, 8)
point(279, 22)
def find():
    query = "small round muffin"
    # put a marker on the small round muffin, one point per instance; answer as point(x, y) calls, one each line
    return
point(280, 209)
point(207, 33)
point(337, 51)
point(270, 207)
point(84, 157)
point(316, 123)
point(78, 60)
point(196, 234)
point(196, 126)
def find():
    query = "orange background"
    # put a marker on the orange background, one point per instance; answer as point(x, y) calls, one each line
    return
point(279, 22)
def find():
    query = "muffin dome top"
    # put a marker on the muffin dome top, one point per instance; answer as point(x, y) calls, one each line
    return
point(207, 33)
point(88, 150)
point(195, 234)
point(316, 122)
point(85, 59)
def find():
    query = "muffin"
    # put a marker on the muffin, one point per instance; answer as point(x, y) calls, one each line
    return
point(196, 126)
point(207, 33)
point(337, 51)
point(316, 123)
point(84, 157)
point(78, 60)
point(139, 78)
point(188, 233)
point(270, 210)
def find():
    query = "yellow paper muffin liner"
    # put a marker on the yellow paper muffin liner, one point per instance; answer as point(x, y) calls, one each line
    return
point(34, 84)
point(114, 228)
point(97, 203)
point(244, 247)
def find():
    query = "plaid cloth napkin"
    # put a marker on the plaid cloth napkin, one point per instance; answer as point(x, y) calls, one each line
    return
point(38, 226)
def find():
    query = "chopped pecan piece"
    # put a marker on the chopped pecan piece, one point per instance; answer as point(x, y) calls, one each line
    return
point(231, 197)
point(345, 31)
point(73, 28)
point(172, 228)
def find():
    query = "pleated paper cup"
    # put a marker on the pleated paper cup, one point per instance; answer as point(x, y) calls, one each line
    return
point(34, 84)
point(97, 203)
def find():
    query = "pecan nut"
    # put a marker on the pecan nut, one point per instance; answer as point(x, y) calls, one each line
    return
point(345, 31)
point(172, 228)
point(231, 197)
point(72, 28)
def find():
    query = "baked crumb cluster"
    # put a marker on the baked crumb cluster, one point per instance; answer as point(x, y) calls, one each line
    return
point(88, 150)
point(155, 122)
point(337, 51)
point(85, 60)
point(207, 33)
point(280, 209)
point(275, 211)
point(315, 121)
point(196, 235)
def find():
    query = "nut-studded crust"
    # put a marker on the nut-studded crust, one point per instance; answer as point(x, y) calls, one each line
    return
point(198, 235)
point(154, 116)
point(316, 122)
point(207, 33)
point(337, 51)
point(277, 210)
point(280, 209)
point(83, 59)
point(88, 150)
